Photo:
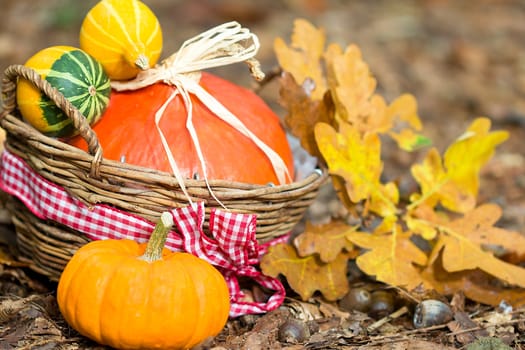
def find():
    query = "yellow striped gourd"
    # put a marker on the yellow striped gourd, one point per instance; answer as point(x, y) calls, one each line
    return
point(124, 35)
point(77, 75)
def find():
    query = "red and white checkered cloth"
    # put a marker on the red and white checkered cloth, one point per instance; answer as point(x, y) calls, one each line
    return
point(234, 249)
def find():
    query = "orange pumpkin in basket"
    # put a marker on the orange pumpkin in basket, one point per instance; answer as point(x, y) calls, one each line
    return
point(127, 132)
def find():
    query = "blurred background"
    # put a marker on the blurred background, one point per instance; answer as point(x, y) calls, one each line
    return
point(461, 59)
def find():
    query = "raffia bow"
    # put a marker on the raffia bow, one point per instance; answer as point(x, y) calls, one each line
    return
point(222, 45)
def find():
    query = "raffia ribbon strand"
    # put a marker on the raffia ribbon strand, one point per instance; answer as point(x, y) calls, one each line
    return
point(222, 45)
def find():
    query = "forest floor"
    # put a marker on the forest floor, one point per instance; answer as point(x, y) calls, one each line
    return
point(460, 59)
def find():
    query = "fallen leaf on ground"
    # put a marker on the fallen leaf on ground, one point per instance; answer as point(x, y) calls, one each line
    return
point(477, 285)
point(327, 240)
point(459, 240)
point(307, 275)
point(391, 258)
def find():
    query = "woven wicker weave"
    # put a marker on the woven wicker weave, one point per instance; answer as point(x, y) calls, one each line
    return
point(141, 191)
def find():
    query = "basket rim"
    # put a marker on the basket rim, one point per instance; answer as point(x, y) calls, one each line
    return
point(93, 158)
point(14, 126)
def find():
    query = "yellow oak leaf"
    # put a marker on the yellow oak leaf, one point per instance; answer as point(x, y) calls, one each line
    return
point(386, 226)
point(303, 112)
point(474, 284)
point(402, 115)
point(480, 229)
point(384, 198)
point(358, 161)
point(422, 221)
point(408, 140)
point(465, 157)
point(339, 187)
point(454, 180)
point(461, 239)
point(404, 109)
point(352, 85)
point(392, 258)
point(327, 240)
point(303, 58)
point(437, 187)
point(430, 176)
point(306, 275)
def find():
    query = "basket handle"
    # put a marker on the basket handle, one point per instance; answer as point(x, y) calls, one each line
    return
point(11, 75)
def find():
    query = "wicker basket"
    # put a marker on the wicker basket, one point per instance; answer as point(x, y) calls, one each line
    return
point(145, 192)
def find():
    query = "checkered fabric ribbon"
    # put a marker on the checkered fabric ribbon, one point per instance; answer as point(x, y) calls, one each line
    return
point(234, 249)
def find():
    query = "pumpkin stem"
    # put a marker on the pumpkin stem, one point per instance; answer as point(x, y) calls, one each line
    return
point(142, 62)
point(158, 238)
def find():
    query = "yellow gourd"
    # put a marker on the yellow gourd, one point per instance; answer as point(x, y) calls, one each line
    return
point(123, 35)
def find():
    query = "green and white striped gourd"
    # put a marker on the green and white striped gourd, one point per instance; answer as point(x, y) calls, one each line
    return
point(77, 75)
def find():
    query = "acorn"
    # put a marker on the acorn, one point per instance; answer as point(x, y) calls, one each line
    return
point(382, 304)
point(358, 299)
point(293, 331)
point(432, 312)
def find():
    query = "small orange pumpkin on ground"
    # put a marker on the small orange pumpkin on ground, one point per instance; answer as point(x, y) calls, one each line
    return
point(142, 296)
point(127, 131)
